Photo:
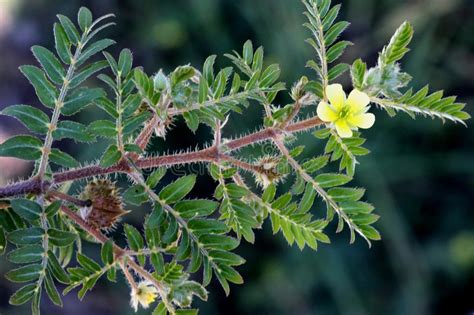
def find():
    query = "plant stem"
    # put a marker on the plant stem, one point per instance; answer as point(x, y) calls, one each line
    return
point(205, 155)
point(48, 141)
point(119, 252)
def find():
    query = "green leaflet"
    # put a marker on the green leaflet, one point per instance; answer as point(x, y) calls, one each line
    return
point(397, 47)
point(33, 118)
point(84, 18)
point(27, 209)
point(61, 238)
point(51, 65)
point(178, 189)
point(111, 156)
point(72, 130)
point(62, 158)
point(81, 99)
point(45, 91)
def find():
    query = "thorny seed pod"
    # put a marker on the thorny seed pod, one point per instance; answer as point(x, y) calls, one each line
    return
point(106, 206)
point(268, 171)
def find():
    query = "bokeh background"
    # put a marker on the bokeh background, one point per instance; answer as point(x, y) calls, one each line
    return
point(420, 176)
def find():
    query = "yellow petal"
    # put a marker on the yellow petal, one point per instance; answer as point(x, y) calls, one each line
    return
point(325, 113)
point(358, 101)
point(343, 129)
point(364, 121)
point(336, 95)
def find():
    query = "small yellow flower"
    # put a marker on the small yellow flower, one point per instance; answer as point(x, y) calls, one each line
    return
point(346, 114)
point(145, 294)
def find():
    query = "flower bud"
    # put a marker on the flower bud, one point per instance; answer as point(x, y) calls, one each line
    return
point(161, 81)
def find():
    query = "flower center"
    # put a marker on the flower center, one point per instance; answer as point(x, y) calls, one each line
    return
point(345, 111)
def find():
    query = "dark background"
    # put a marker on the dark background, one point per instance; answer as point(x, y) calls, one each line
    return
point(420, 176)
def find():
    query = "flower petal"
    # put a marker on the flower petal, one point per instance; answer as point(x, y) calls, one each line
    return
point(343, 129)
point(325, 113)
point(336, 95)
point(364, 121)
point(358, 101)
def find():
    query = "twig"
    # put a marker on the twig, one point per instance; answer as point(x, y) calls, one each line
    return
point(206, 155)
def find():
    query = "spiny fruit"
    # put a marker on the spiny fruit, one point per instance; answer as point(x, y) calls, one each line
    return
point(268, 171)
point(106, 206)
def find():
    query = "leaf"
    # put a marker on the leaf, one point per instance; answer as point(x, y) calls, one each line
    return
point(336, 51)
point(358, 70)
point(178, 189)
point(131, 104)
point(87, 72)
point(134, 122)
point(181, 74)
point(195, 208)
point(33, 118)
point(341, 194)
point(51, 65)
point(107, 253)
point(25, 273)
point(56, 269)
point(207, 226)
point(62, 158)
point(155, 177)
point(111, 156)
point(331, 180)
point(22, 147)
point(208, 69)
point(222, 242)
point(331, 17)
point(87, 263)
point(135, 195)
point(398, 45)
point(315, 164)
point(192, 120)
point(93, 49)
point(247, 53)
point(203, 90)
point(84, 18)
point(51, 290)
point(27, 209)
point(23, 294)
point(269, 76)
point(72, 130)
point(79, 100)
point(370, 232)
point(26, 236)
point(125, 62)
point(337, 70)
point(134, 238)
point(61, 238)
point(307, 200)
point(112, 62)
point(102, 128)
point(45, 91)
point(63, 46)
point(26, 254)
point(333, 33)
point(69, 29)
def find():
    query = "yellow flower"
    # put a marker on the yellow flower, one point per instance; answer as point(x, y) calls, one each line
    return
point(145, 294)
point(346, 114)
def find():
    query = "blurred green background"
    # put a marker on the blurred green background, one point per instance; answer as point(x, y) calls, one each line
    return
point(420, 176)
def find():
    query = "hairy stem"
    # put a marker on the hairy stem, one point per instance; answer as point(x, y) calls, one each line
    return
point(321, 192)
point(48, 141)
point(119, 252)
point(205, 155)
